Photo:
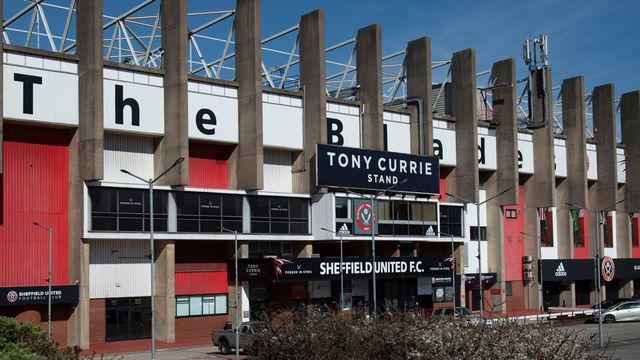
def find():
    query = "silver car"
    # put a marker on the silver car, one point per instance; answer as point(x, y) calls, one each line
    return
point(624, 311)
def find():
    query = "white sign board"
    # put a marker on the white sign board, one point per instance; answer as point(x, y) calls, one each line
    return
point(397, 130)
point(213, 112)
point(560, 156)
point(525, 153)
point(133, 102)
point(282, 121)
point(343, 125)
point(40, 89)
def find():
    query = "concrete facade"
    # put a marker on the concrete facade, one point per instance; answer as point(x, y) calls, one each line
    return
point(630, 123)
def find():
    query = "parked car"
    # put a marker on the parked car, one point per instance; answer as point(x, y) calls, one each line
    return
point(468, 315)
point(605, 304)
point(225, 340)
point(624, 311)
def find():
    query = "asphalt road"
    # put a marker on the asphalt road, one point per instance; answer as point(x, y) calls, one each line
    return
point(198, 353)
point(622, 339)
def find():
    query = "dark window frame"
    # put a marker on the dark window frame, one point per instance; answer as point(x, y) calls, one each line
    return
point(218, 219)
point(202, 296)
point(119, 215)
point(271, 223)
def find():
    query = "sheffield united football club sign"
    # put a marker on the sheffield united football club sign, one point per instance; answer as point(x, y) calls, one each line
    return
point(608, 268)
point(352, 168)
point(37, 295)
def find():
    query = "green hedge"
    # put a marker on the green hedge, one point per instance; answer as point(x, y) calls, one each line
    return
point(26, 341)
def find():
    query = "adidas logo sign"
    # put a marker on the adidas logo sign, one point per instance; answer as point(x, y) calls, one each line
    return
point(430, 231)
point(560, 271)
point(344, 230)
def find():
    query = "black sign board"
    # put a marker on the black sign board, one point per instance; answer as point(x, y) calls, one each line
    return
point(37, 295)
point(352, 168)
point(304, 269)
point(487, 278)
point(583, 269)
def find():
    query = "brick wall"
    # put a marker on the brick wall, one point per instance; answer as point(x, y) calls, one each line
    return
point(97, 321)
point(199, 325)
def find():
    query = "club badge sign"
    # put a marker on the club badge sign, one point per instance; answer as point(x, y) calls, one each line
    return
point(352, 168)
point(608, 268)
point(365, 217)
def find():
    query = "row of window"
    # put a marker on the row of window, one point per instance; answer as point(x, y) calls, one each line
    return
point(198, 305)
point(116, 209)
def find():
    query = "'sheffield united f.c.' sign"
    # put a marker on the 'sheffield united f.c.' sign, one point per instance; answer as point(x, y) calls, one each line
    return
point(352, 168)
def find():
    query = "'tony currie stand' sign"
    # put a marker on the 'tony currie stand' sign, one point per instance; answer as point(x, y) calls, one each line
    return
point(345, 167)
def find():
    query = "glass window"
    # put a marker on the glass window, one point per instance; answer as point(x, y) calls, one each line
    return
point(384, 210)
point(451, 220)
point(182, 306)
point(195, 305)
point(546, 227)
point(473, 232)
point(221, 304)
point(635, 241)
point(429, 212)
point(511, 214)
point(400, 210)
point(116, 209)
point(508, 287)
point(343, 208)
point(608, 231)
point(277, 215)
point(415, 211)
point(208, 305)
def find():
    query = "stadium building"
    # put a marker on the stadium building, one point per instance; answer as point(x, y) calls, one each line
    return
point(299, 164)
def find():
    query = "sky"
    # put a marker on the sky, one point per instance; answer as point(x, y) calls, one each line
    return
point(597, 39)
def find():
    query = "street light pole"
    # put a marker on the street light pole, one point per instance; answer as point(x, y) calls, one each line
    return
point(373, 235)
point(238, 320)
point(541, 287)
point(50, 230)
point(477, 204)
point(150, 182)
point(341, 268)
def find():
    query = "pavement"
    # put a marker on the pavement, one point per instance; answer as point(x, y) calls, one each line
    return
point(195, 353)
point(621, 339)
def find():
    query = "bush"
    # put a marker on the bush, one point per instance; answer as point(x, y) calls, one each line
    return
point(312, 335)
point(26, 341)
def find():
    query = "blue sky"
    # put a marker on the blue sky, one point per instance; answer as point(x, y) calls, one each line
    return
point(597, 39)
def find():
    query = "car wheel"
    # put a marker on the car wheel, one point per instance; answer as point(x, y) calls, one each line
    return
point(224, 347)
point(609, 319)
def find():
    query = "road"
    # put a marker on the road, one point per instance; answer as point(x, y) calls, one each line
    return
point(624, 338)
point(198, 353)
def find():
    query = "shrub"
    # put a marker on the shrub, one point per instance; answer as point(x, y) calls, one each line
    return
point(26, 341)
point(312, 335)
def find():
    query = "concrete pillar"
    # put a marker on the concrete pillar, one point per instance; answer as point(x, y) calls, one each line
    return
point(175, 143)
point(573, 119)
point(78, 325)
point(90, 101)
point(630, 123)
point(464, 179)
point(242, 253)
point(418, 60)
point(460, 288)
point(80, 335)
point(165, 295)
point(302, 249)
point(604, 110)
point(247, 159)
point(313, 81)
point(544, 177)
point(623, 227)
point(531, 243)
point(573, 189)
point(369, 75)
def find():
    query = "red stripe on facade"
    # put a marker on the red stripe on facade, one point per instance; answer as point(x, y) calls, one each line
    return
point(208, 165)
point(201, 282)
point(34, 189)
point(582, 252)
point(635, 241)
point(514, 240)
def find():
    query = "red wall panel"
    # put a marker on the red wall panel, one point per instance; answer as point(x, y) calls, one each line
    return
point(635, 250)
point(201, 282)
point(34, 188)
point(582, 252)
point(514, 241)
point(208, 165)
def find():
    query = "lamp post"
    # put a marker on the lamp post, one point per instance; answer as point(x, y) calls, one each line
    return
point(50, 230)
point(238, 320)
point(341, 268)
point(373, 235)
point(596, 260)
point(477, 204)
point(538, 241)
point(150, 182)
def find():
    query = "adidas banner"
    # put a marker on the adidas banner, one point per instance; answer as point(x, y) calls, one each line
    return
point(567, 269)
